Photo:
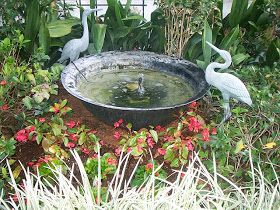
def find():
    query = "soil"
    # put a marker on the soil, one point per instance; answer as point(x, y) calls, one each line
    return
point(32, 151)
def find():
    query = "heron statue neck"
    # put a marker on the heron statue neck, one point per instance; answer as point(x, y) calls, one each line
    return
point(85, 37)
point(210, 70)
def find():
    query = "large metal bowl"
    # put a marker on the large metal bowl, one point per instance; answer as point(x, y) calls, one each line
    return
point(139, 117)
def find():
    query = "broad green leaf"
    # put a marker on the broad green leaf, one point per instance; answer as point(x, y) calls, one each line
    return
point(27, 102)
point(56, 129)
point(121, 32)
point(136, 152)
point(207, 37)
point(82, 138)
point(134, 17)
point(32, 23)
point(238, 58)
point(118, 14)
point(44, 36)
point(238, 12)
point(239, 146)
point(99, 31)
point(175, 163)
point(230, 38)
point(17, 171)
point(154, 135)
point(184, 152)
point(61, 28)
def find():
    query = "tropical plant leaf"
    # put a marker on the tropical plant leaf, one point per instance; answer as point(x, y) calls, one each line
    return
point(207, 37)
point(238, 58)
point(99, 31)
point(238, 12)
point(228, 40)
point(44, 36)
point(61, 28)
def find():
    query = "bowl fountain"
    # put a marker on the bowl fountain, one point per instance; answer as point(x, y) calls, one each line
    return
point(140, 87)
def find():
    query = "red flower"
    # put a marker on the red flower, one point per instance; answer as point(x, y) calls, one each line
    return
point(140, 141)
point(3, 82)
point(85, 151)
point(73, 137)
point(189, 145)
point(159, 128)
point(101, 142)
point(4, 107)
point(70, 145)
point(193, 105)
point(118, 123)
point(56, 110)
point(112, 161)
point(149, 166)
point(194, 125)
point(41, 120)
point(78, 123)
point(70, 124)
point(94, 156)
point(139, 149)
point(30, 129)
point(118, 151)
point(161, 151)
point(214, 131)
point(167, 138)
point(150, 142)
point(129, 149)
point(117, 135)
point(30, 164)
point(205, 134)
point(21, 136)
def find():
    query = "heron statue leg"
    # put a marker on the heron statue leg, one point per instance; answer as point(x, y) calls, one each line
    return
point(226, 106)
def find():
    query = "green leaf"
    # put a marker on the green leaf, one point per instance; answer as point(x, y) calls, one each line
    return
point(184, 152)
point(32, 23)
point(238, 58)
point(99, 31)
point(239, 146)
point(238, 12)
point(154, 135)
point(82, 138)
point(134, 17)
point(60, 28)
point(56, 129)
point(44, 36)
point(27, 102)
point(118, 14)
point(16, 171)
point(228, 40)
point(136, 152)
point(175, 163)
point(207, 37)
point(169, 155)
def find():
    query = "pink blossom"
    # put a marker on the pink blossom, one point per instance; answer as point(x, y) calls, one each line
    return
point(159, 128)
point(73, 137)
point(149, 166)
point(41, 120)
point(118, 151)
point(70, 124)
point(4, 107)
point(214, 131)
point(161, 151)
point(117, 135)
point(189, 145)
point(194, 125)
point(140, 141)
point(3, 82)
point(193, 105)
point(21, 136)
point(205, 134)
point(150, 142)
point(85, 151)
point(112, 161)
point(70, 145)
point(129, 149)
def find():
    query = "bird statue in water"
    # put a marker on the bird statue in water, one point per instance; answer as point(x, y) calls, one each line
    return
point(229, 85)
point(74, 47)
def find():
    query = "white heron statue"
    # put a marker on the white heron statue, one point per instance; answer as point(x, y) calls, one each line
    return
point(74, 47)
point(229, 85)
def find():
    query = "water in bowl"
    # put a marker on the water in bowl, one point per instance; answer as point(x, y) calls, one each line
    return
point(119, 87)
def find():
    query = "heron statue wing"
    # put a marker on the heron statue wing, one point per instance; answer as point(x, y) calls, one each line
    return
point(234, 87)
point(70, 50)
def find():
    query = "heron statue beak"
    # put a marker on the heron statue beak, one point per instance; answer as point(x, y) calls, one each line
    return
point(95, 10)
point(213, 47)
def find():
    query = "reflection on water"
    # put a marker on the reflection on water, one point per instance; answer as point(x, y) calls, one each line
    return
point(120, 88)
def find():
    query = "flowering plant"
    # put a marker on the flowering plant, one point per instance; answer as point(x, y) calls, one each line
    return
point(144, 171)
point(57, 135)
point(109, 164)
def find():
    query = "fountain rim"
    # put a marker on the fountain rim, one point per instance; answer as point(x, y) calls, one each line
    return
point(196, 97)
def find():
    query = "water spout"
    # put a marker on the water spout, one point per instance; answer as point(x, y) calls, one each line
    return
point(141, 89)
